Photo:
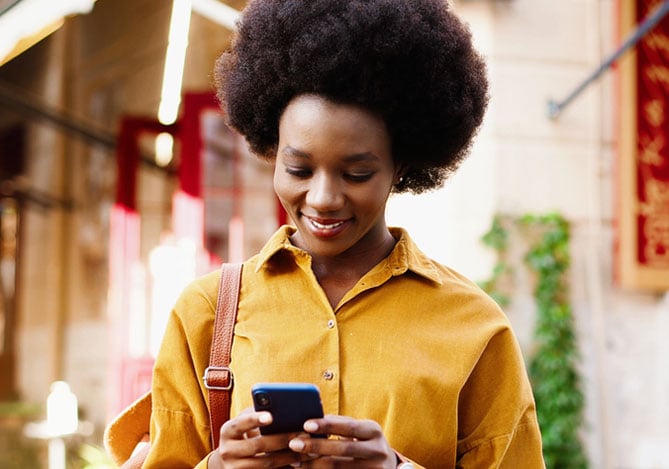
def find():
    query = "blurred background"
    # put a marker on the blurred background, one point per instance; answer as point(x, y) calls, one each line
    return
point(119, 183)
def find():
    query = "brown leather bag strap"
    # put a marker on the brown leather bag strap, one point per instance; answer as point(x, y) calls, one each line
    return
point(218, 378)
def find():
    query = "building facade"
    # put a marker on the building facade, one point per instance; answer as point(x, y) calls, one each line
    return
point(66, 316)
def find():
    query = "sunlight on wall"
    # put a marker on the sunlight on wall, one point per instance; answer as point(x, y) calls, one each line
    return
point(448, 224)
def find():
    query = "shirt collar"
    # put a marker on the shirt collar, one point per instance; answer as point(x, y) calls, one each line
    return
point(279, 241)
point(404, 256)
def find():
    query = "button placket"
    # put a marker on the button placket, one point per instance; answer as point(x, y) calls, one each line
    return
point(329, 363)
point(328, 374)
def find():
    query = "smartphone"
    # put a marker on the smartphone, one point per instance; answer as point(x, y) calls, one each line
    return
point(291, 404)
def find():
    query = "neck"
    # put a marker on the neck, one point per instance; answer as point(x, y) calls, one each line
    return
point(354, 263)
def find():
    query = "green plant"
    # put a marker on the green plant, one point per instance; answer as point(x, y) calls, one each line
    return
point(552, 369)
point(552, 366)
point(94, 457)
point(16, 449)
point(497, 238)
point(20, 409)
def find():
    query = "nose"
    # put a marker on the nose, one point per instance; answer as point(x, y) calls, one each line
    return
point(325, 194)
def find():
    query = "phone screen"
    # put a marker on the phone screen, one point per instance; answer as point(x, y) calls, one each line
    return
point(291, 404)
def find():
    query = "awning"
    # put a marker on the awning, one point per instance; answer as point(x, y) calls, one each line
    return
point(23, 23)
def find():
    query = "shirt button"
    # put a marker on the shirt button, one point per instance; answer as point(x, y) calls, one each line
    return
point(331, 324)
point(328, 375)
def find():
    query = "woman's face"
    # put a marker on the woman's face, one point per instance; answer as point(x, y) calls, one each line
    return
point(333, 174)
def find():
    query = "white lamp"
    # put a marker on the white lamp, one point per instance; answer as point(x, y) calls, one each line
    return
point(170, 96)
point(62, 414)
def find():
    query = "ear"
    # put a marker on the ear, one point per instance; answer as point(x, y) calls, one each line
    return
point(400, 171)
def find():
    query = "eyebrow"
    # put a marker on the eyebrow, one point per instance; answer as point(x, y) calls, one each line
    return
point(354, 158)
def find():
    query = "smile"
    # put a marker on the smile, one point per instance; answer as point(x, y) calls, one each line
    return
point(326, 226)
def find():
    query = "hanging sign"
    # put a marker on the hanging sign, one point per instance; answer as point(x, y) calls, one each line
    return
point(643, 216)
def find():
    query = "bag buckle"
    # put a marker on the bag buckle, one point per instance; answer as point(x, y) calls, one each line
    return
point(217, 369)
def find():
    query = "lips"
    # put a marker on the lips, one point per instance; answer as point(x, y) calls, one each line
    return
point(326, 228)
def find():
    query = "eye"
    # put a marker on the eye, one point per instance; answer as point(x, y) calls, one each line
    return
point(300, 173)
point(359, 177)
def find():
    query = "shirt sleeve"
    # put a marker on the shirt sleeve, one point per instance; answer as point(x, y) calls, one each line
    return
point(497, 418)
point(180, 434)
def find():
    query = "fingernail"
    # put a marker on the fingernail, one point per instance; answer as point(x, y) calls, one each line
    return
point(265, 418)
point(311, 426)
point(296, 445)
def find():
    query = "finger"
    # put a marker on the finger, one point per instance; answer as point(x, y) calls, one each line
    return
point(254, 432)
point(329, 447)
point(368, 450)
point(304, 460)
point(345, 427)
point(245, 423)
point(332, 462)
point(237, 455)
point(260, 445)
point(285, 458)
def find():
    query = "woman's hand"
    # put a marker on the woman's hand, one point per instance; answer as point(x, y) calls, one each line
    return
point(242, 445)
point(352, 443)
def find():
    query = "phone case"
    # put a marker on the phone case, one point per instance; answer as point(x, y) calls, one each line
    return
point(290, 404)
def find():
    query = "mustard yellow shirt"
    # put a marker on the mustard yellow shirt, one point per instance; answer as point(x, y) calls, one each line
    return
point(413, 345)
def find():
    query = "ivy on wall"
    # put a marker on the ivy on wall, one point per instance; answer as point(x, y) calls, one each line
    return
point(552, 366)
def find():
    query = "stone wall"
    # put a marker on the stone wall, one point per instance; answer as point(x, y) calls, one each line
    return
point(524, 162)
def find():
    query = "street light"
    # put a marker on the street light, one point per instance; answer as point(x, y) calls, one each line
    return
point(62, 420)
point(62, 414)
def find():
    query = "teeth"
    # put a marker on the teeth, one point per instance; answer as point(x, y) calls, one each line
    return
point(321, 226)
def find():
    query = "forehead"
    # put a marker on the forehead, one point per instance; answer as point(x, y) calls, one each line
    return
point(311, 120)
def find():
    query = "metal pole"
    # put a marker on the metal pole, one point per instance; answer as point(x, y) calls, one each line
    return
point(57, 453)
point(15, 99)
point(19, 101)
point(555, 107)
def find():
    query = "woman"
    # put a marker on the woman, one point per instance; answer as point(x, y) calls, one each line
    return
point(351, 100)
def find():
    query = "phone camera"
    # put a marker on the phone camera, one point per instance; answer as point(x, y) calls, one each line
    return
point(263, 399)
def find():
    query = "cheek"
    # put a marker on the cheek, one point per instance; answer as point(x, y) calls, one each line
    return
point(373, 198)
point(282, 188)
point(275, 182)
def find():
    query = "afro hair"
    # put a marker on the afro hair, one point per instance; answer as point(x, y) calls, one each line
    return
point(410, 61)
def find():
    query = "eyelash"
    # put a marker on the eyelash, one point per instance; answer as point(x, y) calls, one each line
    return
point(299, 173)
point(305, 173)
point(359, 177)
